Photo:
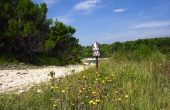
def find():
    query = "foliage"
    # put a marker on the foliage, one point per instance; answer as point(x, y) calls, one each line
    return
point(121, 83)
point(8, 60)
point(25, 31)
point(61, 41)
point(139, 48)
point(86, 51)
point(25, 28)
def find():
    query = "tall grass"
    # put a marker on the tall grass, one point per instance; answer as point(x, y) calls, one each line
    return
point(121, 83)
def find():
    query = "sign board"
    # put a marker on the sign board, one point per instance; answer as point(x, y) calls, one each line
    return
point(96, 49)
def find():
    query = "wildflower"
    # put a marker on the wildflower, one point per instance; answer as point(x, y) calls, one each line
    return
point(126, 96)
point(103, 81)
point(94, 103)
point(80, 91)
point(103, 96)
point(97, 100)
point(51, 78)
point(116, 92)
point(106, 77)
point(52, 99)
point(132, 104)
point(84, 77)
point(72, 104)
point(84, 88)
point(82, 70)
point(56, 87)
point(63, 91)
point(119, 99)
point(52, 87)
point(54, 105)
point(51, 72)
point(113, 75)
point(94, 92)
point(96, 72)
point(108, 80)
point(91, 101)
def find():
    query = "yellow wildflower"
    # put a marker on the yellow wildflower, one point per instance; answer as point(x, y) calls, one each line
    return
point(113, 75)
point(108, 80)
point(54, 105)
point(94, 103)
point(132, 104)
point(116, 92)
point(119, 99)
point(52, 87)
point(63, 91)
point(84, 88)
point(82, 70)
point(94, 92)
point(103, 81)
point(91, 101)
point(51, 78)
point(97, 100)
point(56, 87)
point(84, 77)
point(52, 99)
point(126, 96)
point(80, 91)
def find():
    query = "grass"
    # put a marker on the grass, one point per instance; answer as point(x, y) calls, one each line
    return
point(120, 84)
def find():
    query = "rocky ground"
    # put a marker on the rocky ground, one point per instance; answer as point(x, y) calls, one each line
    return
point(16, 76)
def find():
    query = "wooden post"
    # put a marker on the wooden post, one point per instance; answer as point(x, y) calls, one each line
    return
point(96, 52)
point(96, 63)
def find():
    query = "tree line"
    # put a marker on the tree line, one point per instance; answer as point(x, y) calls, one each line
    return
point(27, 35)
point(139, 48)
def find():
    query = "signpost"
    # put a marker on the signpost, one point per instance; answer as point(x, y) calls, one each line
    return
point(96, 52)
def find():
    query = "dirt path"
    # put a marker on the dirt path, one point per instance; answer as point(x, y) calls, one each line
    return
point(10, 79)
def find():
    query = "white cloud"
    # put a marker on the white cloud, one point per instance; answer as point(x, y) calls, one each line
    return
point(140, 13)
point(86, 5)
point(65, 19)
point(120, 10)
point(49, 2)
point(152, 24)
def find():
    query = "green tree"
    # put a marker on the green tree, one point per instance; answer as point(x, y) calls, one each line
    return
point(61, 41)
point(116, 46)
point(27, 27)
point(105, 50)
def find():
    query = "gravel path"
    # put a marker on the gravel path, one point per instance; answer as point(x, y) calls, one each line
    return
point(13, 78)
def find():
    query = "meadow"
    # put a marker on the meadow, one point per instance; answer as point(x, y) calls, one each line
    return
point(121, 83)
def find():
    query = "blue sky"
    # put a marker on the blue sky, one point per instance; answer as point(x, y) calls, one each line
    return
point(108, 21)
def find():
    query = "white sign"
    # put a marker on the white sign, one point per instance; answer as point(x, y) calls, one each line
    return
point(96, 49)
